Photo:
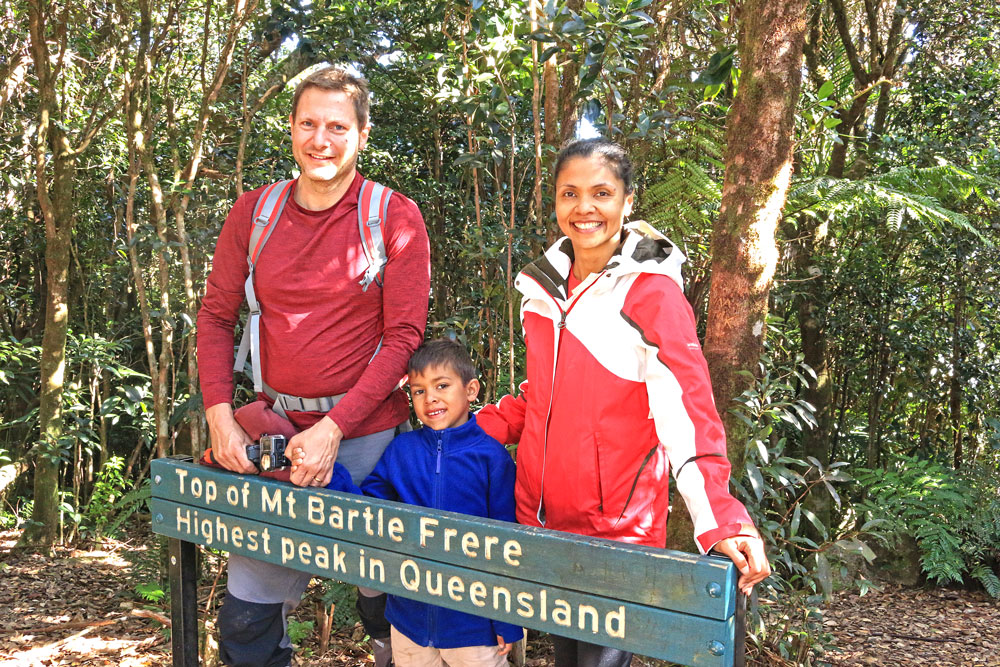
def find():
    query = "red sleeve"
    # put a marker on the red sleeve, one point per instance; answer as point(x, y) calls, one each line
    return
point(220, 308)
point(406, 286)
point(504, 421)
point(683, 408)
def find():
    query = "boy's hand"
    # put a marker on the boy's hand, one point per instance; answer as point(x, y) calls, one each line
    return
point(313, 452)
point(748, 555)
point(503, 648)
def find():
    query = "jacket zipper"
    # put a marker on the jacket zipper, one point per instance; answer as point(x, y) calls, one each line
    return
point(432, 615)
point(559, 327)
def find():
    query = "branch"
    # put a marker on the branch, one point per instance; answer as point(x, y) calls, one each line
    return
point(840, 18)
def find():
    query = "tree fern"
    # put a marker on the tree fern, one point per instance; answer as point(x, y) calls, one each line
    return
point(925, 195)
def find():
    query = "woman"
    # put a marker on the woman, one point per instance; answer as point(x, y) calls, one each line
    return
point(618, 392)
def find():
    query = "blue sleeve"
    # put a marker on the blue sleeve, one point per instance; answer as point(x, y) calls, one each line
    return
point(341, 480)
point(510, 633)
point(379, 483)
point(501, 490)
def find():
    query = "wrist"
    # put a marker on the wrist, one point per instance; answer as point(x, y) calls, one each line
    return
point(219, 413)
point(330, 428)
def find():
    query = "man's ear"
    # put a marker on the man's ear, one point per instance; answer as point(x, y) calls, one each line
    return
point(472, 390)
point(363, 136)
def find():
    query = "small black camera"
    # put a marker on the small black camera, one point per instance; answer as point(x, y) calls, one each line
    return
point(268, 453)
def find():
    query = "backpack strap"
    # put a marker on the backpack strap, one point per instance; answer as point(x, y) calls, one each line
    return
point(265, 219)
point(373, 202)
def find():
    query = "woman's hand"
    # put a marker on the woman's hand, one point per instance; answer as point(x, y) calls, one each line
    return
point(748, 555)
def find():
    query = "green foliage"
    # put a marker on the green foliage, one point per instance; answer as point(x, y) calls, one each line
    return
point(110, 504)
point(299, 631)
point(775, 486)
point(953, 515)
point(150, 592)
point(342, 598)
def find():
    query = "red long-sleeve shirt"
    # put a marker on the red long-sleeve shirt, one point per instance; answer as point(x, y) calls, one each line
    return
point(318, 329)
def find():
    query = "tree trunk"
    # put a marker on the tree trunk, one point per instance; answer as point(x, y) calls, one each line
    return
point(957, 359)
point(54, 166)
point(759, 143)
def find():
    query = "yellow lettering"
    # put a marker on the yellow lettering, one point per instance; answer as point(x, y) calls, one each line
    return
point(584, 611)
point(322, 557)
point(512, 552)
point(614, 623)
point(499, 591)
point(455, 588)
point(395, 529)
point(287, 549)
point(477, 593)
point(314, 510)
point(489, 541)
point(448, 534)
point(525, 609)
point(409, 575)
point(426, 525)
point(561, 615)
point(470, 542)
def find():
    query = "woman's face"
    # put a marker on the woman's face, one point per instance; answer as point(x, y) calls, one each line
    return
point(591, 205)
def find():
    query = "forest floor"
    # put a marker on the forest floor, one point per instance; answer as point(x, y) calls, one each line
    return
point(80, 607)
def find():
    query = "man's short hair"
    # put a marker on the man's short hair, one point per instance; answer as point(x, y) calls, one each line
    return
point(337, 80)
point(443, 352)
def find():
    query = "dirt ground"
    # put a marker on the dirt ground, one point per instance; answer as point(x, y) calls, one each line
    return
point(82, 607)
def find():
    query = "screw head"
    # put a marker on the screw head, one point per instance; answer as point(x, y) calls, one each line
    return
point(159, 518)
point(173, 561)
point(714, 590)
point(157, 479)
point(716, 648)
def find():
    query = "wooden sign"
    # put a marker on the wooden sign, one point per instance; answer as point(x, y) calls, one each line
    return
point(665, 604)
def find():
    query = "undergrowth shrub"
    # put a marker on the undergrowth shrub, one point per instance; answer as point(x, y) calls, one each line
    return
point(954, 516)
point(785, 624)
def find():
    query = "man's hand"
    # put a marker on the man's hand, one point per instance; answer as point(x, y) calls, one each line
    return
point(748, 555)
point(229, 440)
point(313, 452)
point(503, 648)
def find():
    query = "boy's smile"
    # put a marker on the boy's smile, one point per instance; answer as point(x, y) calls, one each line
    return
point(440, 398)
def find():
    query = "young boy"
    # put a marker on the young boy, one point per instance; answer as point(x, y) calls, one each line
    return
point(450, 464)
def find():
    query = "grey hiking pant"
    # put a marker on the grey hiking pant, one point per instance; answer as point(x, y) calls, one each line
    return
point(253, 617)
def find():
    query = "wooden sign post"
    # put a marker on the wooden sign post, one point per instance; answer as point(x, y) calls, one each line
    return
point(664, 604)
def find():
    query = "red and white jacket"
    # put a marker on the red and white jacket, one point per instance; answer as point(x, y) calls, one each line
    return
point(617, 395)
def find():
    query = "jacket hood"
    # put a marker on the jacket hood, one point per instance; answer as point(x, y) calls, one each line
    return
point(643, 249)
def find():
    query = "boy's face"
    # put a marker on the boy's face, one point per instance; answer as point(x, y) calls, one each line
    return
point(440, 399)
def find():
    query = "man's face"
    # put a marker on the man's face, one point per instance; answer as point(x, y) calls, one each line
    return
point(326, 138)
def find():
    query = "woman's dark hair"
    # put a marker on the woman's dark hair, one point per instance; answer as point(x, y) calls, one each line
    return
point(612, 154)
point(446, 353)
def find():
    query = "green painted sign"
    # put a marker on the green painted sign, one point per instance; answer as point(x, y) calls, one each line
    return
point(665, 604)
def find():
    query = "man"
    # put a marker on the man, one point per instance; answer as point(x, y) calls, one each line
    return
point(321, 335)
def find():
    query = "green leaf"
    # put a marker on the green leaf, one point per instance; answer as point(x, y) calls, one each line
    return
point(717, 72)
point(825, 90)
point(548, 53)
point(831, 122)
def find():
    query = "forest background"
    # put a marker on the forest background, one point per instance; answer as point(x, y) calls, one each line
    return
point(829, 167)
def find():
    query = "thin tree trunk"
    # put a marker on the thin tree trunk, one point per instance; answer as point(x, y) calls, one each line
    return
point(957, 359)
point(54, 189)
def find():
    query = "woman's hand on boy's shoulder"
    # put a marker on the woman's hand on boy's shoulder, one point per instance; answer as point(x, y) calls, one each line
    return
point(747, 552)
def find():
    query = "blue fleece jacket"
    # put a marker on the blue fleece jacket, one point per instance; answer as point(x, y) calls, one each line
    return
point(457, 469)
